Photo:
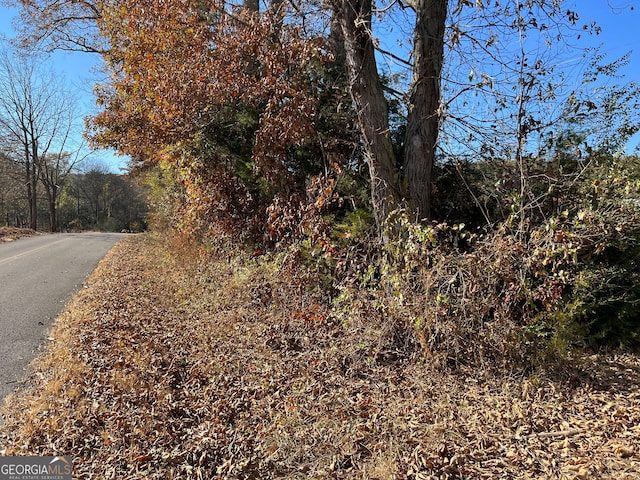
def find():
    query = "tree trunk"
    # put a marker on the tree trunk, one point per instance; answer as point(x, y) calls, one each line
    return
point(424, 104)
point(52, 197)
point(30, 194)
point(33, 203)
point(336, 42)
point(252, 6)
point(31, 179)
point(371, 105)
point(53, 217)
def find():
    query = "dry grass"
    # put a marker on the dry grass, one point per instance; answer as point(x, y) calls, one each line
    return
point(164, 367)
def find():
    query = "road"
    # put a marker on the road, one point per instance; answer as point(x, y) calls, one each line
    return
point(38, 276)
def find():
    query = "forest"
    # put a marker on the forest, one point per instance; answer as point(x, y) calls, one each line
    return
point(49, 179)
point(95, 199)
point(442, 152)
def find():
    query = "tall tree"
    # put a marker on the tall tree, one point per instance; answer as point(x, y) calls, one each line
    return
point(424, 103)
point(423, 106)
point(54, 25)
point(355, 18)
point(36, 115)
point(21, 107)
point(55, 169)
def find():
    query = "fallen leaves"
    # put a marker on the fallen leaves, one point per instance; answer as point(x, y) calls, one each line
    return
point(9, 234)
point(169, 368)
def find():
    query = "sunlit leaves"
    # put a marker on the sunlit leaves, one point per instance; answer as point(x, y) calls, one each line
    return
point(175, 65)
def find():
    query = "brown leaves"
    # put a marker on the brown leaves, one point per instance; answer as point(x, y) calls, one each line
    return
point(173, 61)
point(8, 234)
point(171, 367)
point(177, 67)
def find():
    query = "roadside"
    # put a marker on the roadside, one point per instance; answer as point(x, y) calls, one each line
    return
point(164, 367)
point(38, 276)
point(9, 234)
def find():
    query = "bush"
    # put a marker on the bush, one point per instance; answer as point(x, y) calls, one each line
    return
point(508, 298)
point(467, 297)
point(499, 300)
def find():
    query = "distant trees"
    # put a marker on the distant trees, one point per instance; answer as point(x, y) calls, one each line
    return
point(40, 158)
point(13, 210)
point(96, 199)
point(101, 200)
point(36, 123)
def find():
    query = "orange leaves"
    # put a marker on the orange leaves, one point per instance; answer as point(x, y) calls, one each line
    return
point(178, 67)
point(159, 56)
point(173, 60)
point(312, 314)
point(323, 190)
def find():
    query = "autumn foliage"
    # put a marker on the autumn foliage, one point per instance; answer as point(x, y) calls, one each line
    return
point(245, 120)
point(229, 98)
point(302, 318)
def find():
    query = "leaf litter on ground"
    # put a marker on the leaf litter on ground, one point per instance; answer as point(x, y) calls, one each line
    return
point(9, 234)
point(167, 367)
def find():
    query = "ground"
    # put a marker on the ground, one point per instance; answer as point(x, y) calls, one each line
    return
point(8, 234)
point(166, 366)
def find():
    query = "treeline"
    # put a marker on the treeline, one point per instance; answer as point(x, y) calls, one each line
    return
point(473, 173)
point(92, 200)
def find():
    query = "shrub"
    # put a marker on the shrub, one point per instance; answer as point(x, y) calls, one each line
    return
point(502, 299)
point(467, 297)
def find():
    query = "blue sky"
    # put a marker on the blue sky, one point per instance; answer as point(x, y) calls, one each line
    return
point(78, 70)
point(619, 19)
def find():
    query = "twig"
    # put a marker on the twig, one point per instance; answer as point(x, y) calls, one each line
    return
point(562, 434)
point(394, 56)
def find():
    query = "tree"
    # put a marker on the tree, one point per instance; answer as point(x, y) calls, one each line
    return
point(238, 69)
point(482, 83)
point(483, 74)
point(354, 17)
point(55, 168)
point(36, 117)
point(52, 25)
point(12, 211)
point(20, 108)
point(423, 105)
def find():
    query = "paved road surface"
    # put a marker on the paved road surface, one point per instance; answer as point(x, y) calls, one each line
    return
point(38, 276)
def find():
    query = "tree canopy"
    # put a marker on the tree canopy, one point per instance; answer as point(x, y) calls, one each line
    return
point(415, 121)
point(415, 81)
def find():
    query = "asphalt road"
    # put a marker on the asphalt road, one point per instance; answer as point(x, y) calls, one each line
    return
point(38, 276)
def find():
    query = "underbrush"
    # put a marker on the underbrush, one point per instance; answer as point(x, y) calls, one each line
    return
point(176, 364)
point(500, 301)
point(551, 280)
